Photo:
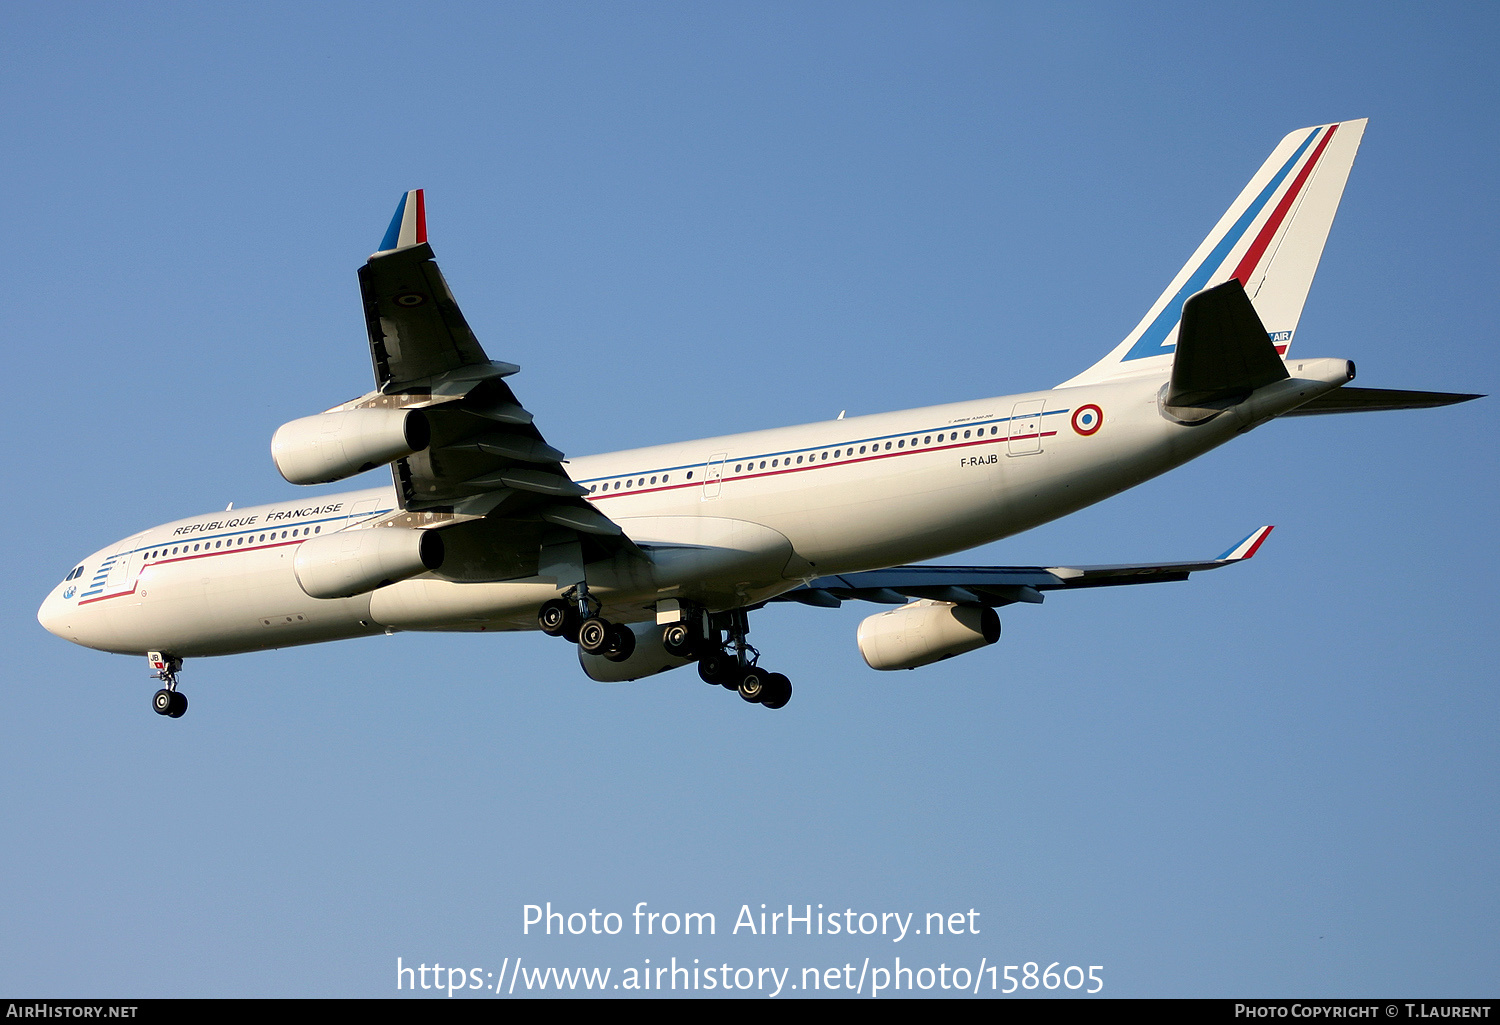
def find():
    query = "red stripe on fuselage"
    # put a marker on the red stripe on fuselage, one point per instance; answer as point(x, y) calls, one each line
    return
point(824, 466)
point(188, 558)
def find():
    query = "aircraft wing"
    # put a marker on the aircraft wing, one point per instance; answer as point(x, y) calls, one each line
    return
point(486, 458)
point(1000, 585)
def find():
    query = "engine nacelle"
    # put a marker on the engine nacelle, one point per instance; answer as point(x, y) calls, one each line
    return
point(331, 446)
point(352, 562)
point(925, 632)
point(648, 659)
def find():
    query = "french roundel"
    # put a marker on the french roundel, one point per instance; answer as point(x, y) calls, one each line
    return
point(1087, 419)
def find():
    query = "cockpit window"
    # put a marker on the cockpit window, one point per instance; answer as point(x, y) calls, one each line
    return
point(75, 573)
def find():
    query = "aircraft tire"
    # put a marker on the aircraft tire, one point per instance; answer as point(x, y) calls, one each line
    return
point(594, 635)
point(680, 640)
point(179, 705)
point(778, 691)
point(753, 684)
point(161, 702)
point(621, 643)
point(717, 669)
point(553, 617)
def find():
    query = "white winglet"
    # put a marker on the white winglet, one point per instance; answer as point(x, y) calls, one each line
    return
point(1248, 547)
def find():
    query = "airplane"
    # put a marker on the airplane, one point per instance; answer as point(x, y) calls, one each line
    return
point(653, 558)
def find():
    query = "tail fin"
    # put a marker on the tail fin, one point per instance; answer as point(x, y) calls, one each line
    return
point(1270, 238)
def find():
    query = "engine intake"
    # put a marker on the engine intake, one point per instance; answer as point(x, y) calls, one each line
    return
point(331, 446)
point(352, 562)
point(924, 632)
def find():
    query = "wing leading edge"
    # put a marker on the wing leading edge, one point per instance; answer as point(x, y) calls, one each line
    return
point(1000, 585)
point(487, 460)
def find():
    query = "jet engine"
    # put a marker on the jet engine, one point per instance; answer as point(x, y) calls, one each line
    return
point(924, 632)
point(332, 446)
point(352, 562)
point(648, 659)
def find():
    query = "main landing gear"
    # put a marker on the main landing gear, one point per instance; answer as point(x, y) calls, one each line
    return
point(575, 616)
point(167, 701)
point(728, 660)
point(723, 655)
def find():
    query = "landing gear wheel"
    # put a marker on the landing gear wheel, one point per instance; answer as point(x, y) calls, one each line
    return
point(621, 643)
point(778, 691)
point(753, 684)
point(554, 616)
point(594, 635)
point(718, 669)
point(162, 702)
point(179, 705)
point(680, 640)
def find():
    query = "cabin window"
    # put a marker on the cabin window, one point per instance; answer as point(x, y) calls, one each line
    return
point(966, 434)
point(690, 475)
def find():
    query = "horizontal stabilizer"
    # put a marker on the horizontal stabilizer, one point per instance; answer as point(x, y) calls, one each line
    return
point(1368, 400)
point(1223, 351)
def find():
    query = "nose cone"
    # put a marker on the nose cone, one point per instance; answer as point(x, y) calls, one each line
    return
point(53, 615)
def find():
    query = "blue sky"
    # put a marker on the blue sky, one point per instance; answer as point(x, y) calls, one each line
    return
point(685, 220)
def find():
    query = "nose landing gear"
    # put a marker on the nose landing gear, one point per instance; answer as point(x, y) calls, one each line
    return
point(167, 701)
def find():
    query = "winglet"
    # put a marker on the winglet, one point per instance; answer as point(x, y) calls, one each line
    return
point(409, 226)
point(1248, 547)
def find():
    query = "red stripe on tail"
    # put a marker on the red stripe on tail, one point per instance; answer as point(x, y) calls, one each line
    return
point(1258, 248)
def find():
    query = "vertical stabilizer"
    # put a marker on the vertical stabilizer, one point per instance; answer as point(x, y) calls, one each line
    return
point(1270, 239)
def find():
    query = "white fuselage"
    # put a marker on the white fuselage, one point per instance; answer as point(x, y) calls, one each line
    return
point(726, 521)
